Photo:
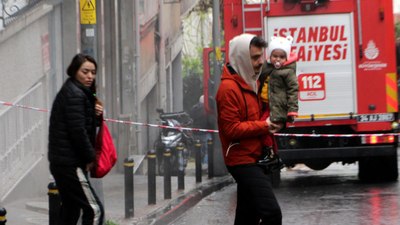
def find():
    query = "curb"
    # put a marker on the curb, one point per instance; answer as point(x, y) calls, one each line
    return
point(181, 204)
point(165, 213)
point(39, 207)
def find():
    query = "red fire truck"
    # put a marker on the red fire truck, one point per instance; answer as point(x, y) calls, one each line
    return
point(347, 78)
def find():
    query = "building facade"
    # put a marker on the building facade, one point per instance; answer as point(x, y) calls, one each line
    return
point(138, 47)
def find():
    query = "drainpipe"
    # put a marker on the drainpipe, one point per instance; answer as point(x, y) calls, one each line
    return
point(1, 15)
point(137, 74)
point(219, 167)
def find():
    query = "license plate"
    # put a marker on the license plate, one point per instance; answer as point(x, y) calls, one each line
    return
point(375, 117)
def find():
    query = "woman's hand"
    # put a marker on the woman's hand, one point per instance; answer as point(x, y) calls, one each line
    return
point(273, 127)
point(89, 166)
point(99, 109)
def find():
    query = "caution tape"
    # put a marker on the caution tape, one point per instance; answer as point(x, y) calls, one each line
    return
point(335, 135)
point(23, 106)
point(161, 126)
point(204, 130)
point(117, 121)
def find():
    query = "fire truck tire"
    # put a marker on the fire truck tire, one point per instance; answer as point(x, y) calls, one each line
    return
point(318, 165)
point(382, 168)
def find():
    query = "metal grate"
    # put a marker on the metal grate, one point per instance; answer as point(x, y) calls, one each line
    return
point(10, 10)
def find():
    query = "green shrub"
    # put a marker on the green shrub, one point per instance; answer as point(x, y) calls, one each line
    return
point(110, 222)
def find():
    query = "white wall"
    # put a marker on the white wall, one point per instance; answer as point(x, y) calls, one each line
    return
point(30, 54)
point(396, 6)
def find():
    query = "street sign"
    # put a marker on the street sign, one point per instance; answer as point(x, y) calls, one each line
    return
point(87, 9)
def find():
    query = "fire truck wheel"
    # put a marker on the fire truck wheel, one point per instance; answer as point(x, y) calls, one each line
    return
point(318, 165)
point(382, 168)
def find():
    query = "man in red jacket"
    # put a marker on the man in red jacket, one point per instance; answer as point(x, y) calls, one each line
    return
point(241, 132)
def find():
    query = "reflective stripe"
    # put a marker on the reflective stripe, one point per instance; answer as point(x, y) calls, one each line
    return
point(53, 191)
point(151, 156)
point(391, 92)
point(325, 116)
point(89, 195)
point(129, 164)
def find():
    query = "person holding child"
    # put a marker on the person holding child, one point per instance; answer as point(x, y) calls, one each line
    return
point(241, 131)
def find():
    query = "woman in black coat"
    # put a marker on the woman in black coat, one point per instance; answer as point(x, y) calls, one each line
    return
point(74, 116)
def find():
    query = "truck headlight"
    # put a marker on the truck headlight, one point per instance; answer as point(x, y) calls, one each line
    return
point(395, 125)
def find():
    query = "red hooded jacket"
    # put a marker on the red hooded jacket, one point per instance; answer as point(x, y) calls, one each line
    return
point(240, 128)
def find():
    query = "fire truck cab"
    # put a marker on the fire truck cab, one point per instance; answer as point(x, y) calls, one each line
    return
point(347, 79)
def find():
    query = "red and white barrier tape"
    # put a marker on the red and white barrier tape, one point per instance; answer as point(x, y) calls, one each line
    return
point(160, 126)
point(204, 130)
point(116, 121)
point(22, 106)
point(335, 135)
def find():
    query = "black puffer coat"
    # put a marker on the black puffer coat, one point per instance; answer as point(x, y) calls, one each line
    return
point(72, 130)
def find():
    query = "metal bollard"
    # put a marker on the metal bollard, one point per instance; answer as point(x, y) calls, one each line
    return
point(167, 173)
point(151, 178)
point(198, 160)
point(129, 164)
point(210, 153)
point(54, 203)
point(181, 169)
point(3, 218)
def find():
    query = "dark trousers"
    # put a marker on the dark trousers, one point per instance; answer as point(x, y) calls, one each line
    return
point(256, 202)
point(77, 194)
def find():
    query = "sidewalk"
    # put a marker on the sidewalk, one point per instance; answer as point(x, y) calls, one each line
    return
point(35, 211)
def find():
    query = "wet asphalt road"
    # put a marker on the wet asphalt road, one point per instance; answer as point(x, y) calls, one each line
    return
point(333, 196)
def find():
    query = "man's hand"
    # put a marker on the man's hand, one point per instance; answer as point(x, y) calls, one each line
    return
point(290, 119)
point(273, 127)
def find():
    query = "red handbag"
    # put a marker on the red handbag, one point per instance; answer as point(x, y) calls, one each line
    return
point(106, 154)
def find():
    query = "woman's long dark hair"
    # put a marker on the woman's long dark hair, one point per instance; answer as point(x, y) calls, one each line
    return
point(77, 62)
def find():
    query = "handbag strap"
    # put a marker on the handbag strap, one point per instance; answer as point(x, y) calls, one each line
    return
point(99, 137)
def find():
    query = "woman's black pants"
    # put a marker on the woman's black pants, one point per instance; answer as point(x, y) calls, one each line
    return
point(77, 194)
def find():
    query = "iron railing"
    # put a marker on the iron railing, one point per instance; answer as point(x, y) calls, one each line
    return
point(22, 139)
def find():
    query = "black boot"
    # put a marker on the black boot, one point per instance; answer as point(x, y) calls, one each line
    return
point(273, 162)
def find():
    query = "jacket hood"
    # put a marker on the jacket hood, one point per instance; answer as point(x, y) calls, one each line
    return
point(228, 75)
point(239, 59)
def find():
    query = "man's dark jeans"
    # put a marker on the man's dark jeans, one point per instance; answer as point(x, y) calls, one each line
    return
point(256, 201)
